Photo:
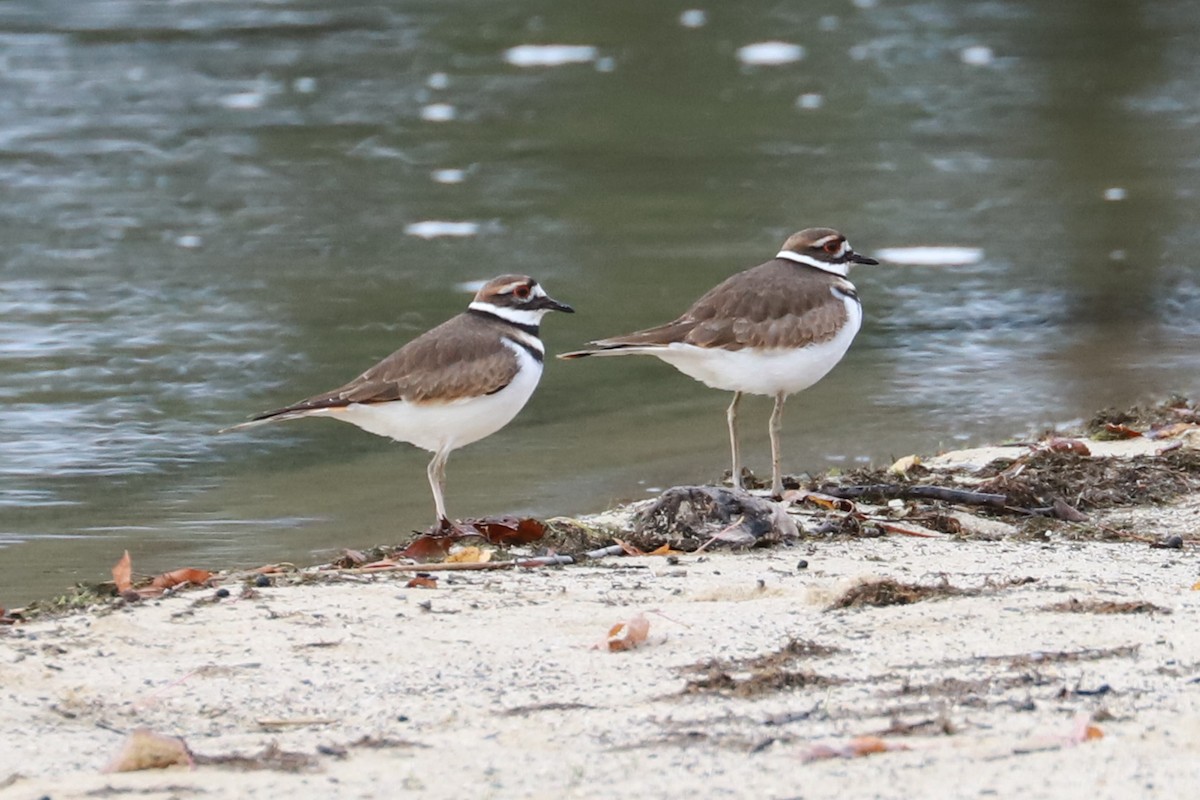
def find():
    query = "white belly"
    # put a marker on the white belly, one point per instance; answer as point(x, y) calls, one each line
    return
point(438, 426)
point(766, 372)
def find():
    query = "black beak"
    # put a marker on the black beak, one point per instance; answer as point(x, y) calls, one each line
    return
point(550, 304)
point(857, 259)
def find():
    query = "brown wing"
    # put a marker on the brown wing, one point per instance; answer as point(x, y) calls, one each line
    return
point(777, 304)
point(462, 357)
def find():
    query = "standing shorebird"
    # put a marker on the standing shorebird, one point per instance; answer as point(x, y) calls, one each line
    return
point(775, 329)
point(451, 386)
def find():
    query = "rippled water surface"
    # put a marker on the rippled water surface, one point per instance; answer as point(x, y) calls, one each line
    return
point(210, 209)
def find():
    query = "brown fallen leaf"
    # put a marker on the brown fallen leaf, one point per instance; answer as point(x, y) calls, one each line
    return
point(1059, 444)
point(1170, 431)
point(122, 573)
point(509, 530)
point(430, 547)
point(422, 582)
point(1121, 431)
point(853, 748)
point(629, 634)
point(145, 749)
point(176, 577)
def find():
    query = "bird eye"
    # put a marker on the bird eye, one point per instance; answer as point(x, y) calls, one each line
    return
point(522, 292)
point(833, 248)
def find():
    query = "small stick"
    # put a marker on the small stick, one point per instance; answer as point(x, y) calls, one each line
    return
point(895, 490)
point(892, 527)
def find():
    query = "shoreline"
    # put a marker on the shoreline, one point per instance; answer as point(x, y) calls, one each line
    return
point(909, 644)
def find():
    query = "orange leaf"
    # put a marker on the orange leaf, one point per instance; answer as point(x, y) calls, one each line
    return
point(629, 549)
point(853, 748)
point(1169, 431)
point(122, 573)
point(629, 634)
point(469, 555)
point(1121, 431)
point(663, 549)
point(1092, 732)
point(422, 582)
point(185, 575)
point(1196, 586)
point(1057, 444)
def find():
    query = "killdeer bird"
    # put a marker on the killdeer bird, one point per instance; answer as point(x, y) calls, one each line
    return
point(451, 386)
point(775, 329)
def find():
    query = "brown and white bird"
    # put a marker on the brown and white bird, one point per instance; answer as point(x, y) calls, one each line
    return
point(451, 386)
point(774, 330)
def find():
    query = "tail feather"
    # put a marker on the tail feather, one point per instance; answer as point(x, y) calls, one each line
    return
point(612, 350)
point(271, 416)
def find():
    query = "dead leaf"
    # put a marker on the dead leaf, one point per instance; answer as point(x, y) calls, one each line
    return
point(1196, 586)
point(469, 555)
point(629, 634)
point(1059, 444)
point(185, 575)
point(853, 748)
point(1064, 511)
point(122, 573)
point(629, 549)
point(903, 465)
point(145, 749)
point(430, 547)
point(1170, 431)
point(509, 530)
point(1121, 431)
point(422, 582)
point(664, 549)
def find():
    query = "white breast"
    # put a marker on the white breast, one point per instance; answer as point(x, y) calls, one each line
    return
point(435, 426)
point(766, 372)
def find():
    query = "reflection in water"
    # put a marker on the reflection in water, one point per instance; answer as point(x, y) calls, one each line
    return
point(214, 208)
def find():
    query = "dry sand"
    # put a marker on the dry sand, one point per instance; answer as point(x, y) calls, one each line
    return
point(489, 685)
point(1039, 668)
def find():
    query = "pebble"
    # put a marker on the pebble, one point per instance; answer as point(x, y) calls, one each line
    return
point(262, 581)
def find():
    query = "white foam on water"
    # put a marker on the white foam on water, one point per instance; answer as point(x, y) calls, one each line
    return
point(438, 112)
point(433, 229)
point(189, 241)
point(304, 85)
point(1115, 193)
point(471, 286)
point(438, 80)
point(448, 175)
point(549, 55)
point(977, 55)
point(931, 256)
point(770, 53)
point(693, 18)
point(242, 101)
point(810, 101)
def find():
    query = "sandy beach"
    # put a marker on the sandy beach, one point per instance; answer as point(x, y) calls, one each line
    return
point(1012, 665)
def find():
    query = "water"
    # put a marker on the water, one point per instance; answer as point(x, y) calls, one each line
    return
point(209, 210)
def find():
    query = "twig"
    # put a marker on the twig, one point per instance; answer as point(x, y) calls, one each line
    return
point(456, 566)
point(896, 490)
point(892, 527)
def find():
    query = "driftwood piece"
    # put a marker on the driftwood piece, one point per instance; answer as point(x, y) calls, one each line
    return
point(892, 491)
